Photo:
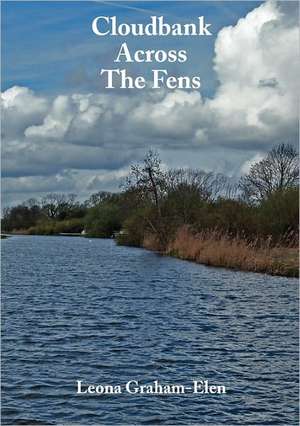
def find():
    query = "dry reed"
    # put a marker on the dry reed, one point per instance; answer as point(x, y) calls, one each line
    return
point(216, 249)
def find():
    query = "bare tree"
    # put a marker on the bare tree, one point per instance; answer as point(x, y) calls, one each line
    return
point(278, 170)
point(207, 185)
point(148, 179)
point(55, 205)
point(31, 203)
point(98, 198)
point(147, 182)
point(189, 180)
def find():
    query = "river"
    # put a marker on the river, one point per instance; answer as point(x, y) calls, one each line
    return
point(80, 309)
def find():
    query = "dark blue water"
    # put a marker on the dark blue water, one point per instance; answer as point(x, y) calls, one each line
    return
point(79, 309)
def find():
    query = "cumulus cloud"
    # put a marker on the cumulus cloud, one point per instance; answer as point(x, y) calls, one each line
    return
point(56, 123)
point(170, 117)
point(254, 107)
point(21, 108)
point(257, 67)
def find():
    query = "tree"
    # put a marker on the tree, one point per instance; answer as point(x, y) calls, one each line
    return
point(20, 217)
point(279, 215)
point(58, 206)
point(277, 171)
point(31, 203)
point(103, 220)
point(98, 198)
point(147, 181)
point(187, 190)
point(206, 185)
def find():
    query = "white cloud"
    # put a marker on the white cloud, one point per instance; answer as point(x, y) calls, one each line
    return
point(255, 106)
point(57, 121)
point(257, 65)
point(17, 97)
point(246, 166)
point(21, 108)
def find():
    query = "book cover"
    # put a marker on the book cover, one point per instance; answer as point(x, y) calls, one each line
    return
point(149, 212)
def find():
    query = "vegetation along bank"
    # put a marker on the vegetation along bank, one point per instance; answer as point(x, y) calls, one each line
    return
point(251, 224)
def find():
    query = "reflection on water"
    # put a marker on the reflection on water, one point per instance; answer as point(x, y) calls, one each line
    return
point(79, 309)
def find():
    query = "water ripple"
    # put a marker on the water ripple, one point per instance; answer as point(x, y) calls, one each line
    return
point(92, 311)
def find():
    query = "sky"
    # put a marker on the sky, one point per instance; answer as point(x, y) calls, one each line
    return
point(63, 131)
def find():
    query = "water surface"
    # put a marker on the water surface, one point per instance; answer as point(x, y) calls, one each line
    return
point(80, 309)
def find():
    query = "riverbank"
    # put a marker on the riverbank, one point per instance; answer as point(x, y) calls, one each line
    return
point(215, 249)
point(219, 250)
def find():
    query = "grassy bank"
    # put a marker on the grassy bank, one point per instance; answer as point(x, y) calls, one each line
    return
point(216, 249)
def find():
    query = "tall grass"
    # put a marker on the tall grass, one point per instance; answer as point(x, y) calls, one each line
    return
point(218, 249)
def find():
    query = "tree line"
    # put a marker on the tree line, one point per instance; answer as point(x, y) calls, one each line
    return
point(155, 201)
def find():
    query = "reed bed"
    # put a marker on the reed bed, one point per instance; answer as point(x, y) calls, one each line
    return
point(218, 249)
